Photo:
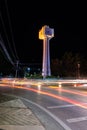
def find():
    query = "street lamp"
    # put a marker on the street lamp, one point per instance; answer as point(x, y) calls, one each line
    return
point(78, 71)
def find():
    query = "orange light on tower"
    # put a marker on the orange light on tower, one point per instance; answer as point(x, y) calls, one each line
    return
point(46, 34)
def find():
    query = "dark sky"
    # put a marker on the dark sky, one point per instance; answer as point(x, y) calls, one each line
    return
point(21, 20)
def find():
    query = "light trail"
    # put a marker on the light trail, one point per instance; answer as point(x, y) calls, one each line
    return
point(71, 92)
point(59, 97)
point(4, 85)
point(77, 103)
point(54, 96)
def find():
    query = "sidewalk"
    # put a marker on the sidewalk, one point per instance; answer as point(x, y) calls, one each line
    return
point(14, 115)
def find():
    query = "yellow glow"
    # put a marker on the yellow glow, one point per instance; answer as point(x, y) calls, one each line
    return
point(41, 33)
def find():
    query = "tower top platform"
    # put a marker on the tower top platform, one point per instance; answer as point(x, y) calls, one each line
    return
point(46, 32)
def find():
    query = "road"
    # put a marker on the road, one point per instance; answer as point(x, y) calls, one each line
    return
point(63, 103)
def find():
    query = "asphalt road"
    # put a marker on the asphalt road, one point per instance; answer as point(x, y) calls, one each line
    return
point(54, 103)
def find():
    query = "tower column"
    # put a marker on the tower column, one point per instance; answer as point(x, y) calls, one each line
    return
point(46, 71)
point(48, 59)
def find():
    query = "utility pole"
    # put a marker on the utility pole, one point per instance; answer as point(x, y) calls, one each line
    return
point(17, 63)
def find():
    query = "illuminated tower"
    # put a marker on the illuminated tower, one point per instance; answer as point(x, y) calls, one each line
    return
point(46, 34)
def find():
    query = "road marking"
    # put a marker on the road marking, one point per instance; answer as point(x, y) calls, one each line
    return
point(62, 106)
point(73, 120)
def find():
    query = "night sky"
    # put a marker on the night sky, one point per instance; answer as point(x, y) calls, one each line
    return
point(22, 21)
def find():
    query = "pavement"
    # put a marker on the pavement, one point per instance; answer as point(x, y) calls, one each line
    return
point(14, 115)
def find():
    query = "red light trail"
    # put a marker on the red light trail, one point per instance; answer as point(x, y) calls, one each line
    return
point(77, 103)
point(80, 104)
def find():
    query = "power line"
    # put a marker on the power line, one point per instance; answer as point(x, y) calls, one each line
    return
point(7, 36)
point(4, 54)
point(5, 50)
point(11, 29)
